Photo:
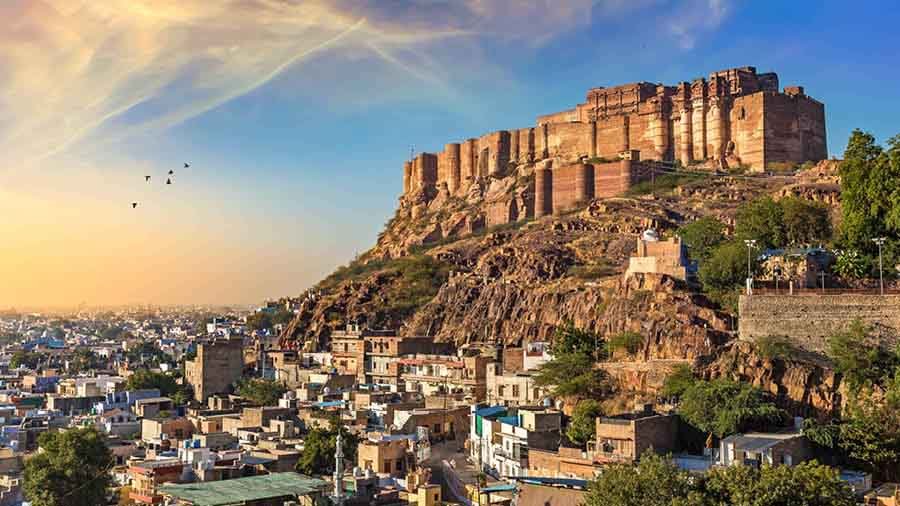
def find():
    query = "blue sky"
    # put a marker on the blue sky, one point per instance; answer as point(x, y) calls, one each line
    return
point(297, 136)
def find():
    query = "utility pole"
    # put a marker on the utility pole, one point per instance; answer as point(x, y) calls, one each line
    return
point(338, 470)
point(880, 242)
point(751, 244)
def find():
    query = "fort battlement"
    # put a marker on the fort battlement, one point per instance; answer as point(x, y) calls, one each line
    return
point(734, 117)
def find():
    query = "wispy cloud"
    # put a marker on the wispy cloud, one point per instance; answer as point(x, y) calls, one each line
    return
point(695, 18)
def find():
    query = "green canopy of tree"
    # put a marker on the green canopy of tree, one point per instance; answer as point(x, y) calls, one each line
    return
point(27, 359)
point(318, 450)
point(726, 267)
point(859, 357)
point(582, 425)
point(261, 391)
point(573, 374)
point(702, 236)
point(630, 342)
point(806, 484)
point(656, 481)
point(678, 381)
point(870, 191)
point(804, 222)
point(762, 220)
point(144, 379)
point(569, 339)
point(724, 407)
point(73, 469)
point(84, 360)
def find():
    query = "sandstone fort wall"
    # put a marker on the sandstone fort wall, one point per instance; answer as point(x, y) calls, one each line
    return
point(809, 320)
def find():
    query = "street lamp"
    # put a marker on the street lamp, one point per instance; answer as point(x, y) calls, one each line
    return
point(751, 244)
point(880, 242)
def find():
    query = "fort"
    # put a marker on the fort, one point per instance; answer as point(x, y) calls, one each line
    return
point(733, 119)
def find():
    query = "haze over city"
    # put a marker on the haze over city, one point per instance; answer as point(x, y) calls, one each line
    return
point(296, 118)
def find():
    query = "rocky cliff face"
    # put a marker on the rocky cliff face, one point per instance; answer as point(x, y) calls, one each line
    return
point(441, 269)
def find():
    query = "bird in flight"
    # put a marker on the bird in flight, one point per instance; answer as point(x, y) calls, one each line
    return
point(134, 205)
point(147, 178)
point(168, 181)
point(171, 172)
point(186, 165)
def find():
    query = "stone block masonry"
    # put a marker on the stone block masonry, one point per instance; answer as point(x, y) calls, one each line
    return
point(734, 117)
point(808, 320)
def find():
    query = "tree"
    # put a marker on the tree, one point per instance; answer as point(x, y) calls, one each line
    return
point(702, 236)
point(858, 357)
point(726, 267)
point(763, 220)
point(573, 374)
point(261, 391)
point(583, 424)
point(655, 481)
point(870, 434)
point(722, 407)
point(319, 446)
point(260, 320)
point(851, 264)
point(146, 353)
point(84, 360)
point(678, 381)
point(144, 379)
point(570, 339)
point(71, 470)
point(25, 359)
point(807, 484)
point(870, 190)
point(805, 221)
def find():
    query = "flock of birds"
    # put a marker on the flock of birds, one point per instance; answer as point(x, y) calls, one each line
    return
point(171, 175)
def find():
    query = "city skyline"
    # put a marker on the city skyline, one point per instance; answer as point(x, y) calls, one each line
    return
point(296, 118)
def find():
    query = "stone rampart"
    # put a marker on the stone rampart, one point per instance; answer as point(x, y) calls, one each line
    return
point(809, 320)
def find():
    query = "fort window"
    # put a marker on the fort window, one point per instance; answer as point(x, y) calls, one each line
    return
point(742, 114)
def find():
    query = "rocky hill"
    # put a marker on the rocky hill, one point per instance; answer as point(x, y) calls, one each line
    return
point(439, 271)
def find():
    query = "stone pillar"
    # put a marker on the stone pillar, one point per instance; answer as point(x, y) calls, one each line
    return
point(514, 146)
point(626, 142)
point(467, 165)
point(543, 192)
point(686, 148)
point(545, 137)
point(659, 126)
point(715, 129)
point(698, 125)
point(593, 139)
point(452, 156)
point(407, 176)
point(526, 144)
point(584, 183)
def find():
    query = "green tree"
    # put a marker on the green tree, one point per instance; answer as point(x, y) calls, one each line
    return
point(702, 236)
point(260, 320)
point(318, 450)
point(583, 424)
point(858, 357)
point(678, 381)
point(724, 407)
point(144, 379)
point(631, 342)
point(870, 190)
point(807, 484)
point(146, 353)
point(870, 434)
point(655, 481)
point(84, 360)
point(26, 359)
point(72, 469)
point(261, 391)
point(763, 220)
point(570, 339)
point(805, 221)
point(726, 267)
point(851, 264)
point(574, 375)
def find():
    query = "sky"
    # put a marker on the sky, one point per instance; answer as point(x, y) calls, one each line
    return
point(296, 117)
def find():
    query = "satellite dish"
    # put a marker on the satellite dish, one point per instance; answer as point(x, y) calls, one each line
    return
point(650, 235)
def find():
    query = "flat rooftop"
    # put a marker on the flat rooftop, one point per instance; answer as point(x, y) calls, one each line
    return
point(242, 490)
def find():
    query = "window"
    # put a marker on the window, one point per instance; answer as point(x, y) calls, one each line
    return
point(515, 390)
point(437, 428)
point(399, 465)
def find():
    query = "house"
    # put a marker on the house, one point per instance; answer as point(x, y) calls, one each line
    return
point(386, 455)
point(769, 448)
point(274, 489)
point(119, 422)
point(658, 257)
point(887, 494)
point(148, 475)
point(625, 437)
point(153, 406)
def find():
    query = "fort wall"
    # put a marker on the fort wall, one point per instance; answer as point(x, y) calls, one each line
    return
point(808, 320)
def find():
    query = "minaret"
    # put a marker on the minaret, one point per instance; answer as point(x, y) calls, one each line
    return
point(338, 471)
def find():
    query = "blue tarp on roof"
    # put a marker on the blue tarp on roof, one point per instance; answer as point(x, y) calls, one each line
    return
point(498, 488)
point(509, 420)
point(557, 482)
point(490, 411)
point(328, 404)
